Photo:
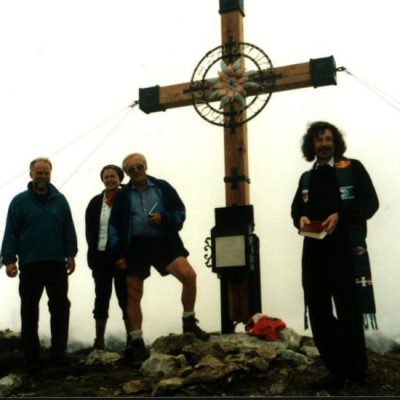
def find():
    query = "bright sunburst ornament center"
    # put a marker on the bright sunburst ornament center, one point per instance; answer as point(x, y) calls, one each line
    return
point(231, 84)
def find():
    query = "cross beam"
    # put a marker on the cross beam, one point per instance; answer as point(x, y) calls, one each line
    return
point(315, 73)
point(237, 292)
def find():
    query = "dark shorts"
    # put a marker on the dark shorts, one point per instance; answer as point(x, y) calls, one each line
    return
point(156, 252)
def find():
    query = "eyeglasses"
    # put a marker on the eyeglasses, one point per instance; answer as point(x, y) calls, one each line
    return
point(137, 167)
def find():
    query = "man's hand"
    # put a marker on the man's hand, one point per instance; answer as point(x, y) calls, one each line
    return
point(304, 221)
point(155, 219)
point(12, 270)
point(331, 223)
point(70, 265)
point(121, 264)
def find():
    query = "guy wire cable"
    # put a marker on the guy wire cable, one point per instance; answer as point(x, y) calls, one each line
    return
point(384, 96)
point(98, 145)
point(71, 143)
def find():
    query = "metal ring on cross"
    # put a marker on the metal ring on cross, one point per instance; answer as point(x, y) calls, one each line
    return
point(232, 84)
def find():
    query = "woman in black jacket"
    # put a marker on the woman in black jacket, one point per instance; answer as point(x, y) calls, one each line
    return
point(96, 218)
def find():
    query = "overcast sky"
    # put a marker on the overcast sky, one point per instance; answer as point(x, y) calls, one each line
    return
point(67, 66)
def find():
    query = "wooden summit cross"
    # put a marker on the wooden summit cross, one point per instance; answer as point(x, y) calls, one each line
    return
point(315, 73)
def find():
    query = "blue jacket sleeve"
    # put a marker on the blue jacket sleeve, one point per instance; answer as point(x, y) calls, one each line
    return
point(175, 214)
point(10, 240)
point(70, 239)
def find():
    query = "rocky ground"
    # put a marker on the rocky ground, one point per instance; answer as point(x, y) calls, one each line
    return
point(180, 365)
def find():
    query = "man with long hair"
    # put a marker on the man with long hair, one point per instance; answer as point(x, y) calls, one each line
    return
point(338, 192)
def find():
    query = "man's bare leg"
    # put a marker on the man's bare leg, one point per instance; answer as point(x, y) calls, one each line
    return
point(137, 350)
point(183, 271)
point(135, 294)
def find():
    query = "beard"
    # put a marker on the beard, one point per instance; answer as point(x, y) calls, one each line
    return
point(325, 149)
point(41, 185)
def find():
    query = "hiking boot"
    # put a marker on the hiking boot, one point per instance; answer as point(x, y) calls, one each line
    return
point(354, 384)
point(331, 382)
point(190, 326)
point(136, 350)
point(31, 366)
point(59, 360)
point(351, 388)
point(99, 344)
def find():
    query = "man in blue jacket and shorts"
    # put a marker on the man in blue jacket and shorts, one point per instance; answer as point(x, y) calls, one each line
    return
point(146, 217)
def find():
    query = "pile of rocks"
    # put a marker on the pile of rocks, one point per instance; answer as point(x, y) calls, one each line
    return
point(180, 361)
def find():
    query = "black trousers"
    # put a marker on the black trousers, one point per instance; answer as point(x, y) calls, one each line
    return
point(104, 274)
point(34, 278)
point(327, 277)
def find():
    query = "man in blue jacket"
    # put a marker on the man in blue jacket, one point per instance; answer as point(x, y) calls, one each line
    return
point(40, 236)
point(146, 217)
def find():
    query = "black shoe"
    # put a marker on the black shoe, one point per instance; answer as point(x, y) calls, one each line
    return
point(31, 366)
point(136, 351)
point(59, 360)
point(331, 382)
point(354, 383)
point(31, 360)
point(352, 388)
point(190, 326)
point(99, 344)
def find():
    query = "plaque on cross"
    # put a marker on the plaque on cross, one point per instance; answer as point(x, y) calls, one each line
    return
point(230, 97)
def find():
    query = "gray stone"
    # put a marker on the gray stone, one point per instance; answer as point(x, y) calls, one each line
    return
point(290, 338)
point(240, 358)
point(160, 365)
point(167, 386)
point(302, 368)
point(287, 338)
point(173, 344)
point(136, 386)
point(180, 372)
point(267, 353)
point(102, 357)
point(310, 351)
point(258, 364)
point(293, 358)
point(208, 374)
point(196, 351)
point(209, 361)
point(278, 388)
point(8, 384)
point(230, 348)
point(242, 341)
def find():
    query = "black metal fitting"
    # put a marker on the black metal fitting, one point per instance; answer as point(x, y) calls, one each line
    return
point(231, 5)
point(235, 178)
point(149, 100)
point(323, 71)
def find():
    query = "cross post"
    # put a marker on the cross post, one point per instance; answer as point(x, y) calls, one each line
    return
point(240, 294)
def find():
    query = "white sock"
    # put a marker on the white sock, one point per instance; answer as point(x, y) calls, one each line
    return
point(136, 334)
point(188, 314)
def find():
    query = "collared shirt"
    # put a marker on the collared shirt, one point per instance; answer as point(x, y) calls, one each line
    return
point(142, 203)
point(331, 163)
point(103, 227)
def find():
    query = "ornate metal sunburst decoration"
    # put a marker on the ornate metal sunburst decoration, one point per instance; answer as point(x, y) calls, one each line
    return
point(232, 84)
point(240, 76)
